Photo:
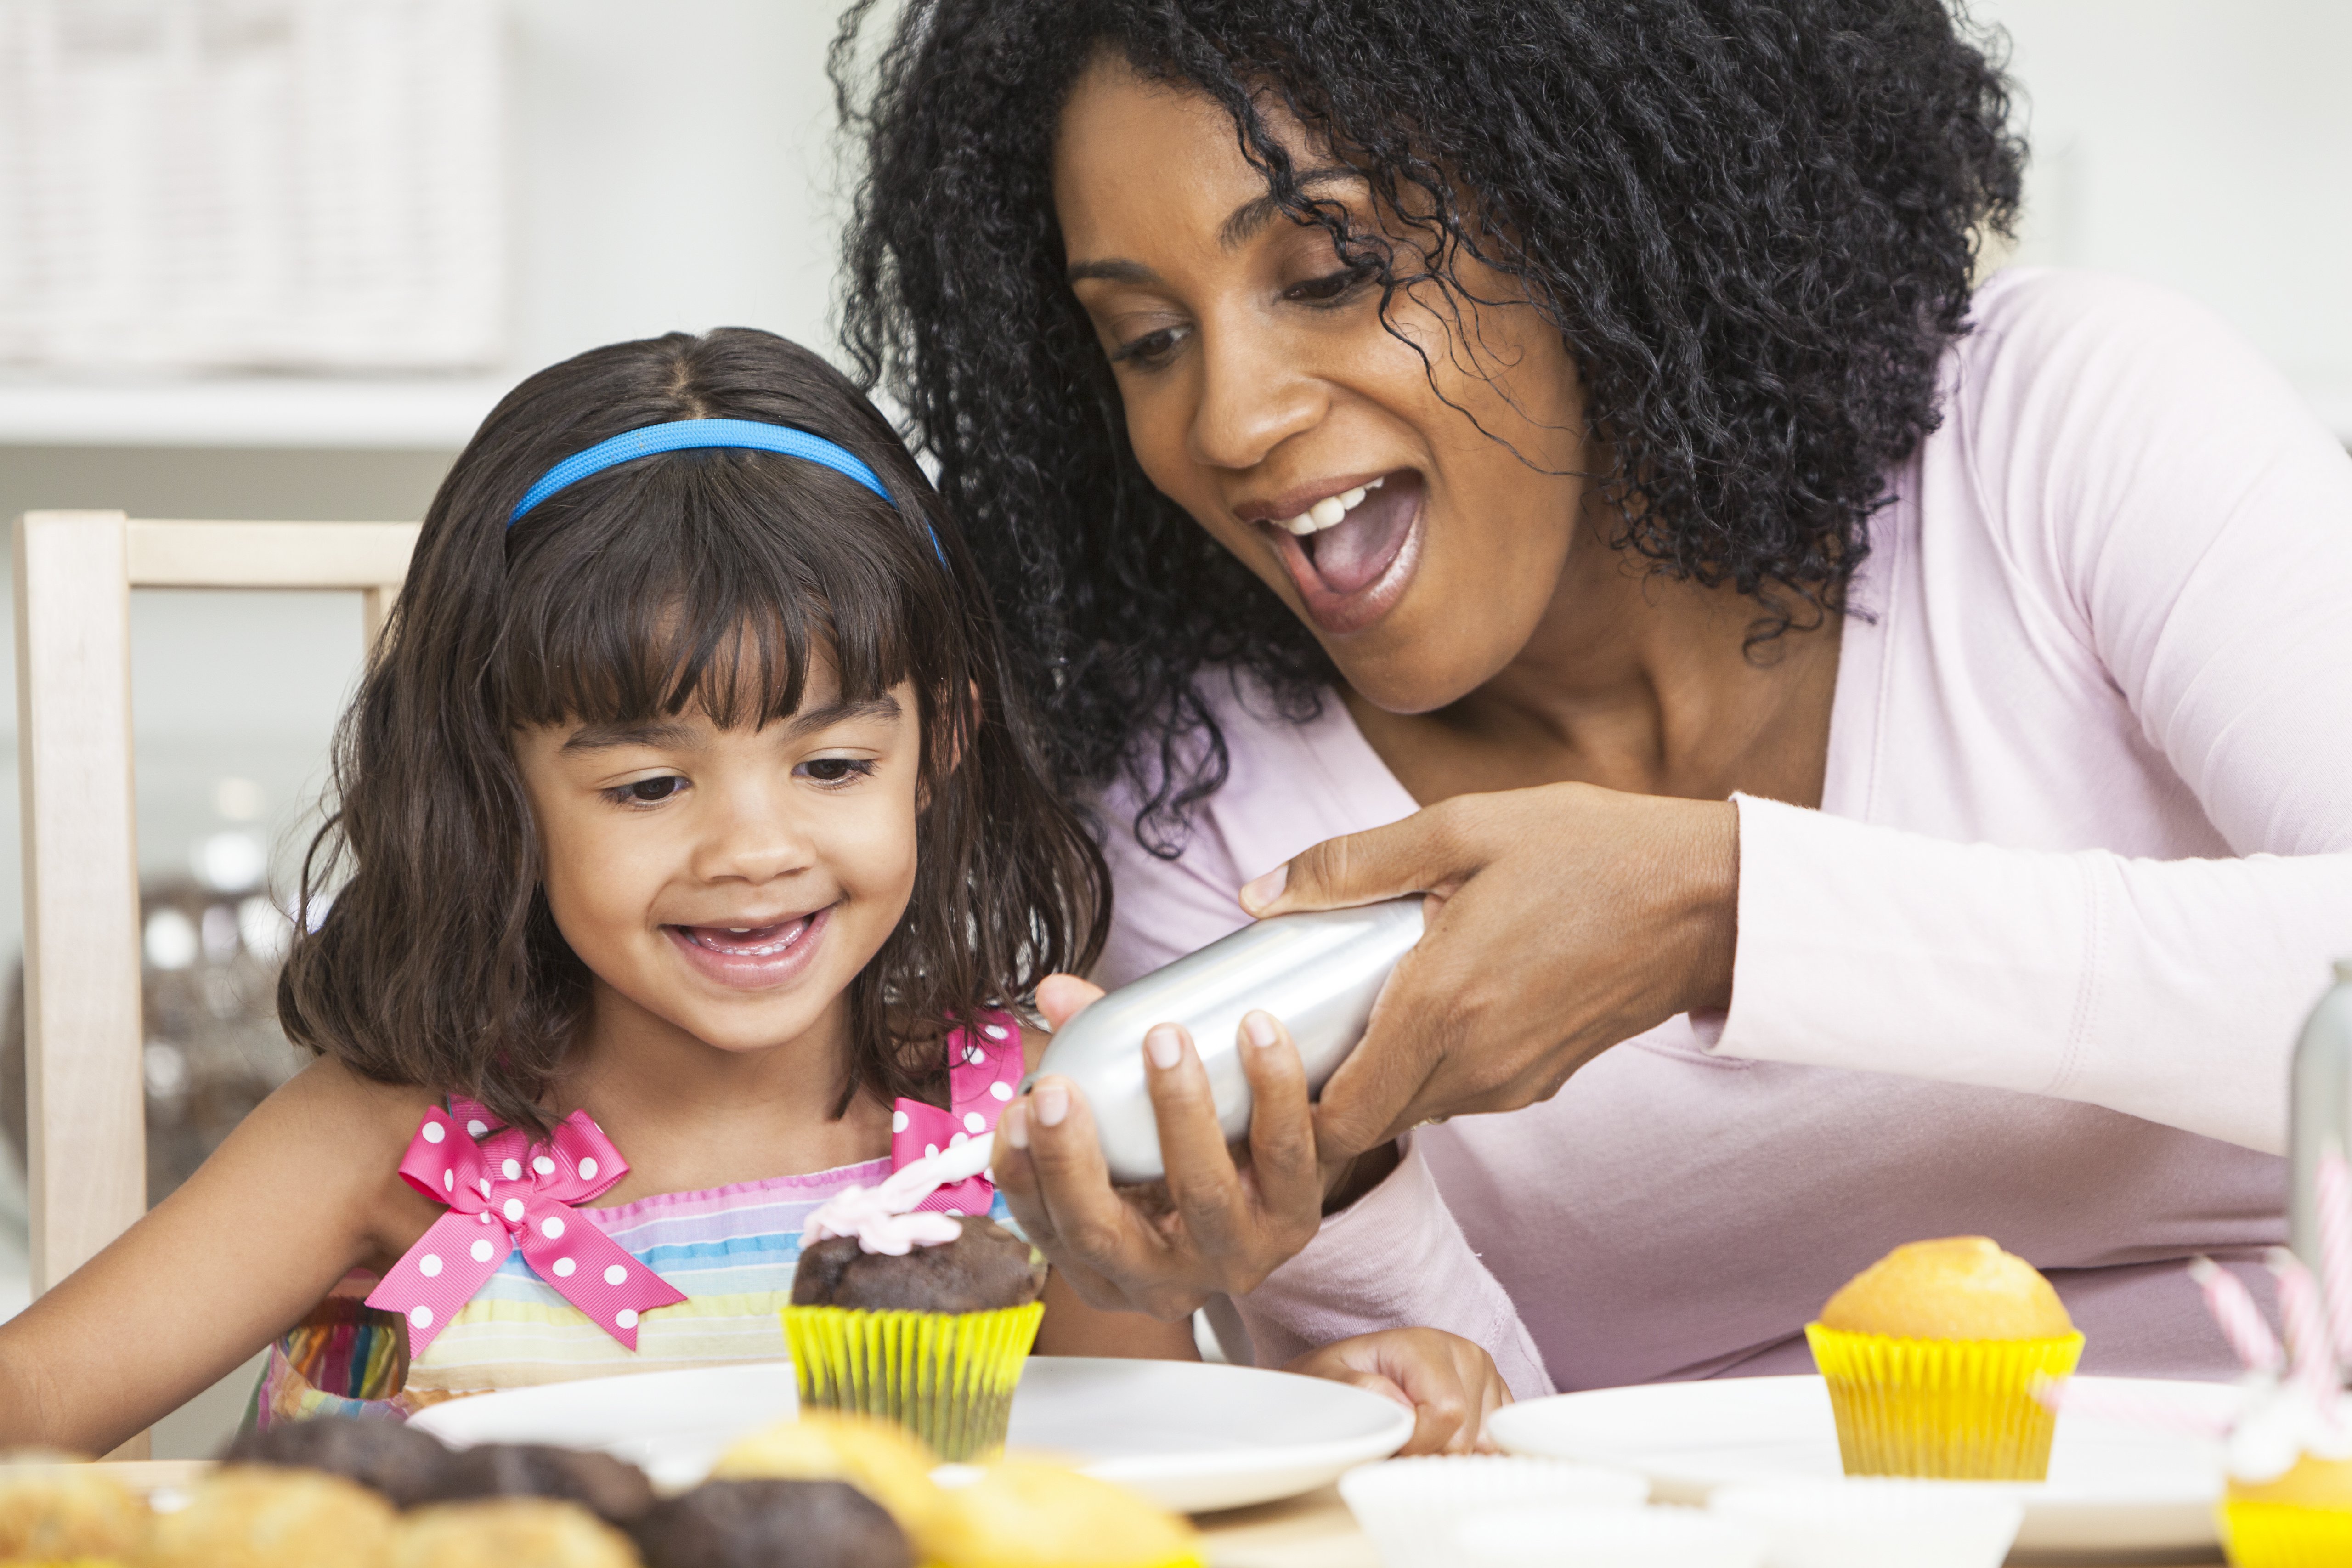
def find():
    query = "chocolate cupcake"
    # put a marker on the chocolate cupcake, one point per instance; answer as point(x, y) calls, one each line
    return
point(760, 1523)
point(387, 1457)
point(983, 1268)
point(608, 1488)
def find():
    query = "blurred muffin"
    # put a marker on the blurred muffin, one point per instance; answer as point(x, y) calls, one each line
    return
point(878, 1458)
point(507, 1532)
point(760, 1524)
point(1026, 1514)
point(613, 1490)
point(251, 1515)
point(1934, 1356)
point(405, 1464)
point(52, 1511)
point(2302, 1518)
point(933, 1338)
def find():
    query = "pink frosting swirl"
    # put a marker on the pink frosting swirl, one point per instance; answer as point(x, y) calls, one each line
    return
point(884, 1218)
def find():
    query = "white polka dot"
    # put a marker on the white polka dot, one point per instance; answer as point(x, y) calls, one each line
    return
point(551, 1227)
point(615, 1274)
point(898, 1121)
point(974, 1122)
point(957, 1212)
point(435, 1133)
point(429, 1266)
point(930, 1150)
point(1001, 1090)
point(421, 1317)
point(975, 1055)
point(482, 1252)
point(994, 1031)
point(483, 1218)
point(511, 1169)
point(959, 1138)
point(485, 1186)
point(544, 1165)
point(448, 1180)
point(514, 1210)
point(626, 1317)
point(476, 1129)
point(587, 1170)
point(565, 1267)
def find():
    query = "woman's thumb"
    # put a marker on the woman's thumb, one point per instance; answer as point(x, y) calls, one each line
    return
point(1354, 869)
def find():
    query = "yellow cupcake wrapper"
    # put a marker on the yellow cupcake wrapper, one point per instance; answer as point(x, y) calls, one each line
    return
point(948, 1377)
point(2286, 1535)
point(1951, 1409)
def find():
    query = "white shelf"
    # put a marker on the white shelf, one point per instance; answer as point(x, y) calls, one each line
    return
point(435, 414)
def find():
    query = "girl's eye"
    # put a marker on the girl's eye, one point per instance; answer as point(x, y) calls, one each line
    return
point(836, 770)
point(1149, 351)
point(647, 792)
point(1327, 288)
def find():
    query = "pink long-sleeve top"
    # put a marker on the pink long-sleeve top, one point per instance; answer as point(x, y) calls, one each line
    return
point(2034, 968)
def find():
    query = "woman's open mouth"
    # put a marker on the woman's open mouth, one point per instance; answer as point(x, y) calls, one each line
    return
point(751, 957)
point(1351, 555)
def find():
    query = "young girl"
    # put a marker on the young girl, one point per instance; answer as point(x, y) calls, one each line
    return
point(687, 859)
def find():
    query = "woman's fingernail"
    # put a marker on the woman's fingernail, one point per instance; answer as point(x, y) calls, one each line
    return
point(1162, 1044)
point(1016, 1125)
point(1053, 1103)
point(1266, 889)
point(1258, 1028)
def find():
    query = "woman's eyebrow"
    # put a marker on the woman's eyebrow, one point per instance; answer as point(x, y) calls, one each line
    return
point(1240, 226)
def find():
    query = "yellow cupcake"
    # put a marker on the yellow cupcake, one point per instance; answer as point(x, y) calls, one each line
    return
point(1934, 1355)
point(2302, 1520)
point(1027, 1513)
point(507, 1532)
point(878, 1458)
point(65, 1512)
point(257, 1517)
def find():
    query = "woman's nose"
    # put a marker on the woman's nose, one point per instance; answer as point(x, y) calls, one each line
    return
point(1255, 396)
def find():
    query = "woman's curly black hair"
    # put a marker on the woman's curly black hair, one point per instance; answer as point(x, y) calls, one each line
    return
point(1754, 222)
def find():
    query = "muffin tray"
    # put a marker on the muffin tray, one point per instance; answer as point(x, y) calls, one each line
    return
point(2118, 1490)
point(1189, 1435)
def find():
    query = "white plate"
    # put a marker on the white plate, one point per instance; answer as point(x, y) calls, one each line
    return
point(2115, 1489)
point(1189, 1435)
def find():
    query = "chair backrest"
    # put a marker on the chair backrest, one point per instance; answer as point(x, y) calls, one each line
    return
point(84, 1097)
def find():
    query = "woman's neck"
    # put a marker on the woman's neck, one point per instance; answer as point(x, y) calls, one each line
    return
point(687, 1115)
point(1636, 682)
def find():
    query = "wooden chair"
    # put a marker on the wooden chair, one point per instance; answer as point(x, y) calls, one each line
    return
point(85, 1096)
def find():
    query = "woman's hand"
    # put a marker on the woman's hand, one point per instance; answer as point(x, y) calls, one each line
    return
point(1449, 1384)
point(1212, 1224)
point(1561, 919)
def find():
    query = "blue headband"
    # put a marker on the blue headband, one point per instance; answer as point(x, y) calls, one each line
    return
point(679, 434)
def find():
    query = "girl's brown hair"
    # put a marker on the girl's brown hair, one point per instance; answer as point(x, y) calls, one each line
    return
point(707, 578)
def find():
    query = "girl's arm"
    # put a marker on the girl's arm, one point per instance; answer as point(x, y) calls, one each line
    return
point(304, 1190)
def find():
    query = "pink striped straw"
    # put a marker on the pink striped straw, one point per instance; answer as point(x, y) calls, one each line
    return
point(2312, 1354)
point(2233, 1306)
point(2336, 1245)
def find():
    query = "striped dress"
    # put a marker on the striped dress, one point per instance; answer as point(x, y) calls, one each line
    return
point(731, 1250)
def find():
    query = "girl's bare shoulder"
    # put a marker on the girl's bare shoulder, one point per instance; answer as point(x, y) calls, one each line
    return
point(328, 1099)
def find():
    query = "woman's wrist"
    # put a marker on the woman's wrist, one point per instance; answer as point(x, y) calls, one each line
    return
point(1707, 891)
point(1361, 1175)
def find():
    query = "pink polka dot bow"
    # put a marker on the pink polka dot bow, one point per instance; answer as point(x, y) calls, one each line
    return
point(985, 1071)
point(502, 1189)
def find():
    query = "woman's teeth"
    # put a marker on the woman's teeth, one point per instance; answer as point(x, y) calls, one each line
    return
point(1329, 512)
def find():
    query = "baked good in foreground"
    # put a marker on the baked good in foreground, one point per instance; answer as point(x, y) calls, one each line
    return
point(1030, 1513)
point(507, 1532)
point(56, 1511)
point(880, 1459)
point(763, 1523)
point(255, 1516)
point(405, 1464)
point(1935, 1357)
point(611, 1489)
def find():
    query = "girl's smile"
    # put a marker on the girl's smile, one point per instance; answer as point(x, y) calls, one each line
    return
point(753, 956)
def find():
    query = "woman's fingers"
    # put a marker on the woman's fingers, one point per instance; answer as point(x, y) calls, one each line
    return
point(1095, 1234)
point(1203, 1182)
point(1061, 997)
point(1286, 1168)
point(1413, 856)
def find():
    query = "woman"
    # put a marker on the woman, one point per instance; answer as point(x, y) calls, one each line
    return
point(1883, 747)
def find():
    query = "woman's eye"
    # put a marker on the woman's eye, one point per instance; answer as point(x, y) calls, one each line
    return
point(1329, 287)
point(1150, 350)
point(836, 770)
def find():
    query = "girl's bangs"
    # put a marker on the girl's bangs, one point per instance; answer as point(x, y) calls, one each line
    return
point(690, 588)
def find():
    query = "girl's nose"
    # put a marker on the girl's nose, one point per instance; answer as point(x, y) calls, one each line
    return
point(753, 837)
point(1255, 396)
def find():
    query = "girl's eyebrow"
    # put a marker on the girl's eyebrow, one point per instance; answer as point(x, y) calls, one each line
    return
point(604, 737)
point(883, 705)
